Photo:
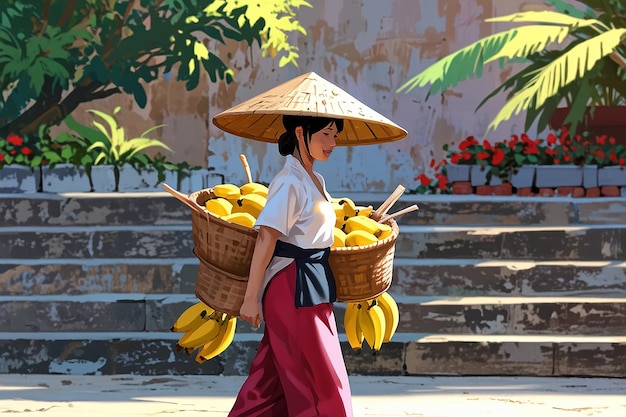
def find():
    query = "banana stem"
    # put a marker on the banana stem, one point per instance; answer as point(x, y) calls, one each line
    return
point(246, 167)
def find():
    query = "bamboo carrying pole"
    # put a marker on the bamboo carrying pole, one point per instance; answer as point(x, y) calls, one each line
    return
point(386, 205)
point(246, 167)
point(182, 197)
point(398, 213)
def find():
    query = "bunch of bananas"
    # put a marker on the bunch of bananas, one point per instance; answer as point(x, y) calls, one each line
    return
point(354, 226)
point(240, 205)
point(206, 330)
point(374, 321)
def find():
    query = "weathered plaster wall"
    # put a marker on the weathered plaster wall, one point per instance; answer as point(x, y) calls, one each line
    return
point(367, 47)
point(370, 48)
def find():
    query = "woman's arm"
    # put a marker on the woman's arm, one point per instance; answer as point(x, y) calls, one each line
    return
point(263, 251)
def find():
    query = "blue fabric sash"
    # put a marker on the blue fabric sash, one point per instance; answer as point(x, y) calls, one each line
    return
point(315, 283)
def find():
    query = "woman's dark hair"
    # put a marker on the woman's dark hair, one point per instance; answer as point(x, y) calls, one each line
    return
point(310, 125)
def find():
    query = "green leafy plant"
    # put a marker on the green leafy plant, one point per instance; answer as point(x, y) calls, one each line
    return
point(572, 55)
point(109, 145)
point(57, 54)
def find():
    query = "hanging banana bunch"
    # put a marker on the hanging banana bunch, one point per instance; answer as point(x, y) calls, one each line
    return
point(373, 321)
point(205, 330)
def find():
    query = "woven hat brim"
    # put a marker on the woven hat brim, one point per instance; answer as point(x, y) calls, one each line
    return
point(260, 117)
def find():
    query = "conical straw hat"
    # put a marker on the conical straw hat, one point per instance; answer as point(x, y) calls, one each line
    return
point(260, 118)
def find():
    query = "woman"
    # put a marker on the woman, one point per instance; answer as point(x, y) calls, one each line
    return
point(299, 368)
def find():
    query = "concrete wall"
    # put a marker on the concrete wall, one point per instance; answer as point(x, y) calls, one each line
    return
point(367, 47)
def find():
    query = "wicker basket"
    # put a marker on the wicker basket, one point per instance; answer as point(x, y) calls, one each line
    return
point(364, 272)
point(219, 289)
point(227, 246)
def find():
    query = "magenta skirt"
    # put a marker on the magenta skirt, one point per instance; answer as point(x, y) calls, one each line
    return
point(298, 370)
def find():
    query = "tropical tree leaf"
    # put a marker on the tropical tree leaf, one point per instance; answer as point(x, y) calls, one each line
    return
point(546, 17)
point(559, 73)
point(469, 61)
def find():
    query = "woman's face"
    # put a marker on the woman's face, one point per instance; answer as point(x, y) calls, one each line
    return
point(322, 142)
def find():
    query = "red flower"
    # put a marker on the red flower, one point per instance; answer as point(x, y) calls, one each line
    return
point(600, 154)
point(612, 140)
point(486, 144)
point(15, 140)
point(442, 182)
point(26, 151)
point(601, 140)
point(432, 162)
point(424, 180)
point(467, 156)
point(13, 152)
point(567, 158)
point(482, 155)
point(467, 142)
point(498, 156)
point(455, 158)
point(622, 161)
point(551, 139)
point(1, 157)
point(531, 149)
point(613, 157)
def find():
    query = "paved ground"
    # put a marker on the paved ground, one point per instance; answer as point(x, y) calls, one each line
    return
point(212, 396)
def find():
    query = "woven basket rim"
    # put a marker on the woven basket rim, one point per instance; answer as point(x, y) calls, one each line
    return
point(193, 197)
point(395, 231)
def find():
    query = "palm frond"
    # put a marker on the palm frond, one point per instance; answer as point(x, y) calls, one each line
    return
point(559, 73)
point(469, 61)
point(546, 17)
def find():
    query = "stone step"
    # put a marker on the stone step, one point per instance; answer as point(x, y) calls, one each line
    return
point(110, 209)
point(590, 242)
point(412, 277)
point(444, 315)
point(148, 353)
point(93, 276)
point(576, 242)
point(163, 241)
point(503, 277)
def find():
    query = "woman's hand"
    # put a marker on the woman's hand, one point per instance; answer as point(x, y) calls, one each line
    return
point(249, 311)
point(263, 251)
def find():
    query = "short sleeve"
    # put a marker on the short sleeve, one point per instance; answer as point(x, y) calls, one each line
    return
point(283, 206)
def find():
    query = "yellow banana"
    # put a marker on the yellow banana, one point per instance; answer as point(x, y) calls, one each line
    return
point(339, 238)
point(362, 223)
point(192, 317)
point(202, 334)
point(253, 188)
point(339, 214)
point(360, 238)
point(349, 208)
point(243, 219)
point(367, 325)
point(392, 314)
point(220, 343)
point(227, 191)
point(384, 232)
point(219, 206)
point(352, 328)
point(250, 203)
point(375, 313)
point(364, 211)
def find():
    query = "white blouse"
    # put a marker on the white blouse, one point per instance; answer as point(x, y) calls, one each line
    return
point(296, 208)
